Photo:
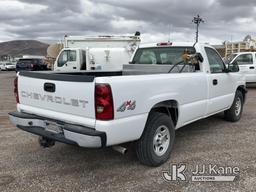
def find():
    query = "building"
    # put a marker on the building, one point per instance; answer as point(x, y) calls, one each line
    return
point(221, 49)
point(248, 44)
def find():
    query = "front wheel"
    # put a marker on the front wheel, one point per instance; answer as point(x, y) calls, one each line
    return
point(155, 145)
point(234, 113)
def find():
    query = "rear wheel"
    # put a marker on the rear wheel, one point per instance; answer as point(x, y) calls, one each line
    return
point(155, 145)
point(234, 113)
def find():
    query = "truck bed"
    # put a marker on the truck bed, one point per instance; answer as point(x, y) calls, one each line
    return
point(88, 76)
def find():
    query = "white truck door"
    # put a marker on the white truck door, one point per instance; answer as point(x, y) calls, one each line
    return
point(220, 83)
point(68, 61)
point(246, 66)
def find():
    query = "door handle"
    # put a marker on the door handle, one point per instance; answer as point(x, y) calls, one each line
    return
point(74, 67)
point(49, 87)
point(214, 81)
point(251, 67)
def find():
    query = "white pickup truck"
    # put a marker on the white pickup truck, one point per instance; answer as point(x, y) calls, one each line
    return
point(247, 64)
point(165, 86)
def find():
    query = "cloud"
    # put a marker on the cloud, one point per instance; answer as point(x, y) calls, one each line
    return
point(55, 6)
point(34, 19)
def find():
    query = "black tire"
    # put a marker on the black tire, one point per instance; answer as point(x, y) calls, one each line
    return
point(232, 113)
point(145, 149)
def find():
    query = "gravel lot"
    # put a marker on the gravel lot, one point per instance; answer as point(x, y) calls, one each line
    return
point(25, 166)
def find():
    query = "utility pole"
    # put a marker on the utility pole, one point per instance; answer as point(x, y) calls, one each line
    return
point(197, 20)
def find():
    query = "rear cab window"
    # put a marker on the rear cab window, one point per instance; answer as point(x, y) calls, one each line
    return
point(161, 55)
point(165, 56)
point(25, 61)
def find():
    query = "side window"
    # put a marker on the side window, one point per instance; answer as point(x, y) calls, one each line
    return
point(84, 60)
point(72, 55)
point(215, 61)
point(65, 56)
point(244, 59)
point(148, 57)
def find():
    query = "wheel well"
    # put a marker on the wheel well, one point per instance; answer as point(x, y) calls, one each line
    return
point(168, 107)
point(242, 89)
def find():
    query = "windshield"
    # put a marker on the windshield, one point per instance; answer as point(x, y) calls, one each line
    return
point(230, 58)
point(161, 55)
point(24, 62)
point(30, 61)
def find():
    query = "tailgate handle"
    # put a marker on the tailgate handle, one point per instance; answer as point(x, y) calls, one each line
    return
point(251, 67)
point(49, 87)
point(214, 81)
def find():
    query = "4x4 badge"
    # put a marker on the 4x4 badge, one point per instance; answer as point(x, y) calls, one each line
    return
point(127, 105)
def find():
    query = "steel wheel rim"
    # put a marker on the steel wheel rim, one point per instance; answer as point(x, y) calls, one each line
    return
point(161, 140)
point(238, 105)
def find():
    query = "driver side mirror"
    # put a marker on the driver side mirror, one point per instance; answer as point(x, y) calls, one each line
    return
point(233, 67)
point(199, 57)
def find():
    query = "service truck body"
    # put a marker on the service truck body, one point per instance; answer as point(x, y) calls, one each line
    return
point(95, 52)
point(99, 108)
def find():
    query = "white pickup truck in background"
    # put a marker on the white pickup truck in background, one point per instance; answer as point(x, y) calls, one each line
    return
point(165, 86)
point(247, 64)
point(96, 52)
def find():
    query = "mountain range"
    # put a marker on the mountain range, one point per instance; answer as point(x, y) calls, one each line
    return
point(23, 47)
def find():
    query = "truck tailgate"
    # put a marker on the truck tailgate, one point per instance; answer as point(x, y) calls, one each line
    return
point(61, 93)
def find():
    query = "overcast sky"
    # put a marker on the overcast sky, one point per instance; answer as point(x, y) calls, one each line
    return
point(51, 19)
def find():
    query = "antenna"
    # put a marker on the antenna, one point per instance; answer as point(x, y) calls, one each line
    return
point(170, 33)
point(197, 20)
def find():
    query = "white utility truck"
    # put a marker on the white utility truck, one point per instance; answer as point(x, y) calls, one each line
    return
point(247, 64)
point(165, 86)
point(96, 52)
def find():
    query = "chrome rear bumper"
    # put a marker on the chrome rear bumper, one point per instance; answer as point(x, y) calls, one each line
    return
point(62, 132)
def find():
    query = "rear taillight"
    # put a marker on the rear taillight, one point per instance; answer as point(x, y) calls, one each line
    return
point(33, 66)
point(104, 102)
point(16, 94)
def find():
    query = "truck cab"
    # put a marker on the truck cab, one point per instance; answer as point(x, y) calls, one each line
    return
point(247, 64)
point(71, 59)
